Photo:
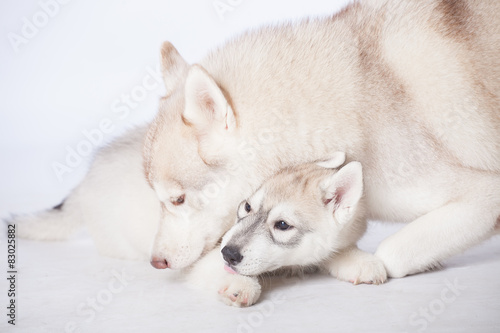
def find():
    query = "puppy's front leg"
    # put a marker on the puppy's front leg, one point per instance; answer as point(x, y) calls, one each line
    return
point(356, 266)
point(233, 289)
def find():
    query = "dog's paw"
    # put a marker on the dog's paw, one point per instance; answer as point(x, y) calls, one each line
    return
point(358, 267)
point(240, 291)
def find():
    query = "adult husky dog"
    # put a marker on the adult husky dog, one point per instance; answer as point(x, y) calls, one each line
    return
point(408, 88)
point(304, 216)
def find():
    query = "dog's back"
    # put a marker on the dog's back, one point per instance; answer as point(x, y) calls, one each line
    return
point(382, 65)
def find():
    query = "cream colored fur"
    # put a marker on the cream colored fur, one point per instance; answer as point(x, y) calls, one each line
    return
point(408, 88)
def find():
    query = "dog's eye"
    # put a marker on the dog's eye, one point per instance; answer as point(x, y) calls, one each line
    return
point(282, 225)
point(179, 200)
point(248, 208)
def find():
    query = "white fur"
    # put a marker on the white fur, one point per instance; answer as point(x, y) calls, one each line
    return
point(337, 159)
point(114, 202)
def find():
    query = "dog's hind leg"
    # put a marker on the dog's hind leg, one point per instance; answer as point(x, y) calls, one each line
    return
point(451, 229)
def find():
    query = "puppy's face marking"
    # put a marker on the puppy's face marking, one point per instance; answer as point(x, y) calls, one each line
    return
point(294, 219)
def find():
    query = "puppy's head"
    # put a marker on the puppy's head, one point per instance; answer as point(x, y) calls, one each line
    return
point(299, 217)
point(186, 154)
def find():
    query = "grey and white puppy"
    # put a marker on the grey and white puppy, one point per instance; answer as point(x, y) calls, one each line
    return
point(307, 215)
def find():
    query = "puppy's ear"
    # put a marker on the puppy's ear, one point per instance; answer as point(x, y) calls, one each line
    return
point(174, 68)
point(206, 106)
point(337, 159)
point(342, 191)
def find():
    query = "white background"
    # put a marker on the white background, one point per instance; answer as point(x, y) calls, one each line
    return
point(66, 79)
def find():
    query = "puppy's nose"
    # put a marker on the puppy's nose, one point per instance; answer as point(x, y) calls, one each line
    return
point(231, 255)
point(159, 263)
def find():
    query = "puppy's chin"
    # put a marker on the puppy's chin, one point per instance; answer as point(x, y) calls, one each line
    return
point(256, 271)
point(242, 271)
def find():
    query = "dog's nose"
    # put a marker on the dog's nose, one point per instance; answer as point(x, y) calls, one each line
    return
point(159, 263)
point(231, 255)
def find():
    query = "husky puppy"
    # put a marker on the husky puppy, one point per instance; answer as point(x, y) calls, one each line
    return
point(307, 215)
point(410, 89)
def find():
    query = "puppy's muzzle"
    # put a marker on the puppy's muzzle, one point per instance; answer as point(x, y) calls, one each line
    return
point(231, 255)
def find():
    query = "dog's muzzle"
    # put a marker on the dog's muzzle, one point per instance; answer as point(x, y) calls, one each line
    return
point(159, 263)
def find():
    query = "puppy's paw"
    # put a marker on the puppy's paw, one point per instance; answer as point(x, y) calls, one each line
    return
point(369, 272)
point(240, 291)
point(358, 267)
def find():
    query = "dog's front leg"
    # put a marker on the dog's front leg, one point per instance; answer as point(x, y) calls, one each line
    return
point(356, 266)
point(443, 232)
point(232, 289)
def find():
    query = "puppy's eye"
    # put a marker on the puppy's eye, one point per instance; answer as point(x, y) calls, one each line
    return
point(282, 225)
point(248, 208)
point(179, 200)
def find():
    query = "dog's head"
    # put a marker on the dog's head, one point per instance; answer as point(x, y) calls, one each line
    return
point(186, 161)
point(299, 217)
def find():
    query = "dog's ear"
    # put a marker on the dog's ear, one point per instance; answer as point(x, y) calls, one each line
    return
point(342, 191)
point(337, 159)
point(174, 68)
point(208, 112)
point(206, 106)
